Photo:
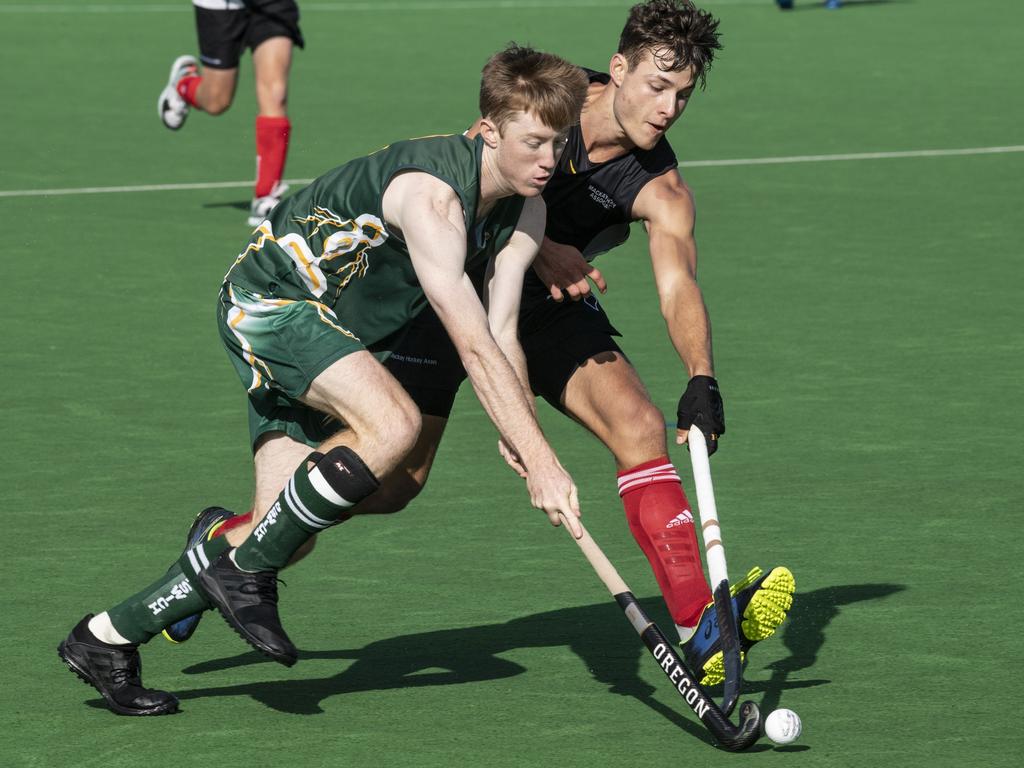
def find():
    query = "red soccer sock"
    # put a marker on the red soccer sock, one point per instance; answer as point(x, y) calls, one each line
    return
point(233, 522)
point(661, 522)
point(187, 88)
point(272, 134)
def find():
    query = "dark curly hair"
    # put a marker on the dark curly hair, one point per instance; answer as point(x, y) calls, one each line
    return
point(678, 33)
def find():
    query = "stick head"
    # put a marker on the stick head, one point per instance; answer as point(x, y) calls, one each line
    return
point(749, 730)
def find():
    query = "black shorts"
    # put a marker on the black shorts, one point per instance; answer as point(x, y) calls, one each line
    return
point(428, 367)
point(223, 35)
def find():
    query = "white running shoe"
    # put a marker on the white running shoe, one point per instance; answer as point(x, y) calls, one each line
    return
point(170, 106)
point(262, 206)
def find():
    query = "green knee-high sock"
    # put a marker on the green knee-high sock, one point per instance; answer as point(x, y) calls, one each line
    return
point(171, 597)
point(309, 503)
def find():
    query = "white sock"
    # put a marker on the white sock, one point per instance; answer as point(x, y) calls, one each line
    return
point(101, 627)
point(685, 633)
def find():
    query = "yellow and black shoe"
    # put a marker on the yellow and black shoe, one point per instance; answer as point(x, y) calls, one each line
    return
point(762, 602)
point(203, 528)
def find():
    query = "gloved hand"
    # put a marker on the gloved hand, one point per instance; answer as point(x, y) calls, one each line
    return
point(701, 405)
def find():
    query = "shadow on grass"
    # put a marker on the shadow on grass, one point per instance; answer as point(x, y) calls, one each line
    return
point(597, 634)
point(804, 632)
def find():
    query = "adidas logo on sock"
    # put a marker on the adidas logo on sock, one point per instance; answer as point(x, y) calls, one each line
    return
point(683, 518)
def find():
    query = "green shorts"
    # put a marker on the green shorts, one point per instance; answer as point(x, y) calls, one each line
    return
point(278, 346)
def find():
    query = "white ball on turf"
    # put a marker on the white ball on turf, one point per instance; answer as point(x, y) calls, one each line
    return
point(783, 726)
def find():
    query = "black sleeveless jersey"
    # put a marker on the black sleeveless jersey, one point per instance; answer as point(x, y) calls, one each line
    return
point(590, 205)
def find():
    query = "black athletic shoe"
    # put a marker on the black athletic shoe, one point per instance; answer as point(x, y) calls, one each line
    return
point(203, 528)
point(248, 603)
point(114, 671)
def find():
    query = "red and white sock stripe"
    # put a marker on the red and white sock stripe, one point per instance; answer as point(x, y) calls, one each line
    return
point(662, 473)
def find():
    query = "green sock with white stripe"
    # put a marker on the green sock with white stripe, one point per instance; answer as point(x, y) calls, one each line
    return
point(171, 597)
point(313, 499)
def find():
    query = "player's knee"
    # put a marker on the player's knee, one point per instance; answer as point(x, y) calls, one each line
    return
point(272, 97)
point(648, 421)
point(399, 426)
point(635, 431)
point(216, 103)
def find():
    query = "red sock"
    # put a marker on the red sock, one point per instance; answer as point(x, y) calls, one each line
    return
point(233, 522)
point(271, 149)
point(661, 522)
point(187, 88)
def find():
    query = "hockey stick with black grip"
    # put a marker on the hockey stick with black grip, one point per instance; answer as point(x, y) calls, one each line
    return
point(730, 737)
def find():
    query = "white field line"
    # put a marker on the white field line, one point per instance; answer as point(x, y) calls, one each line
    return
point(854, 156)
point(917, 153)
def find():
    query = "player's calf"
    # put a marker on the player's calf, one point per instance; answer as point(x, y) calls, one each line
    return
point(242, 583)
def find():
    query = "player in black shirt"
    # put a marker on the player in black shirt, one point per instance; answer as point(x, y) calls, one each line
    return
point(617, 168)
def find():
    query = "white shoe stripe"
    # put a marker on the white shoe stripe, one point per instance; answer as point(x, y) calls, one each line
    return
point(201, 554)
point(195, 563)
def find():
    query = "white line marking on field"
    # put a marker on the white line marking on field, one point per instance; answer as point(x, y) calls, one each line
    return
point(855, 156)
point(689, 164)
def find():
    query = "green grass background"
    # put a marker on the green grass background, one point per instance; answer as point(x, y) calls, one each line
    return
point(868, 335)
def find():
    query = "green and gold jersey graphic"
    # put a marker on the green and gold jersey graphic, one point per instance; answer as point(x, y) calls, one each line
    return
point(329, 244)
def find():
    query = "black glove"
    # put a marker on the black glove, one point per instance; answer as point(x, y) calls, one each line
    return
point(701, 406)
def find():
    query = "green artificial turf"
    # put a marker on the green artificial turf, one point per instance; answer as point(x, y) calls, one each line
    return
point(868, 339)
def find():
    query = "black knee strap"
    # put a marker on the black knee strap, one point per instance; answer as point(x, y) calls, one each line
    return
point(346, 473)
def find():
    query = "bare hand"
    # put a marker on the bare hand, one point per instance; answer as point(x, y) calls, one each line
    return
point(563, 270)
point(552, 490)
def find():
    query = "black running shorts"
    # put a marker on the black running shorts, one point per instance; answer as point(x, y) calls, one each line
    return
point(556, 337)
point(223, 35)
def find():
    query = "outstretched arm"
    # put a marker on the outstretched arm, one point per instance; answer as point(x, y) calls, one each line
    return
point(667, 208)
point(429, 216)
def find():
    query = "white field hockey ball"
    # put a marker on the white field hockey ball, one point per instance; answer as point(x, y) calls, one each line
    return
point(783, 726)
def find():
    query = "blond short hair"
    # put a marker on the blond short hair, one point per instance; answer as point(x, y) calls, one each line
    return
point(520, 79)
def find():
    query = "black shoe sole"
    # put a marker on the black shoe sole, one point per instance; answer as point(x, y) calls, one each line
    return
point(85, 677)
point(285, 659)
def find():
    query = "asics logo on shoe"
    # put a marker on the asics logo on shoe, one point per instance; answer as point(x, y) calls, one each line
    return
point(683, 518)
point(179, 591)
point(261, 530)
point(712, 627)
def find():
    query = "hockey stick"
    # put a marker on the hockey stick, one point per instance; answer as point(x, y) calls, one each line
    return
point(728, 629)
point(731, 737)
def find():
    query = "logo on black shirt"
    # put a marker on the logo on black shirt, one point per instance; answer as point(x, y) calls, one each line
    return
point(601, 198)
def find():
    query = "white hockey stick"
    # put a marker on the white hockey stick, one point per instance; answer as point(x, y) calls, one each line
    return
point(718, 571)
